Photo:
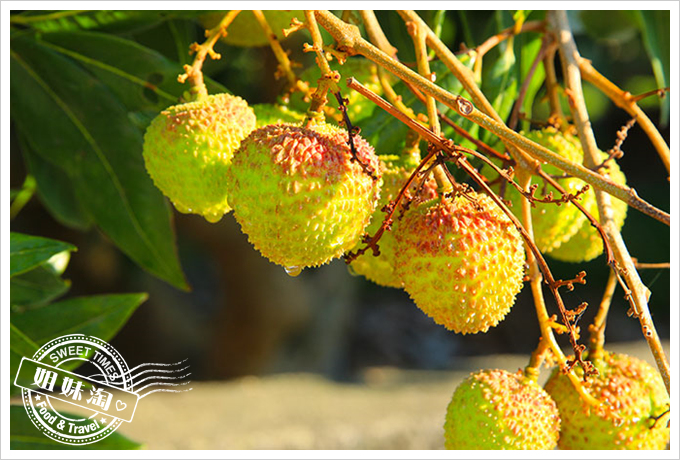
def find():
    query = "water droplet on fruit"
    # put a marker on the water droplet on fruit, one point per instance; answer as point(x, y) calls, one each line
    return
point(293, 270)
point(352, 271)
point(213, 218)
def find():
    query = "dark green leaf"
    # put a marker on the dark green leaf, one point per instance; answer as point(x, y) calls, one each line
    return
point(56, 190)
point(27, 252)
point(20, 346)
point(100, 316)
point(112, 21)
point(655, 28)
point(140, 77)
point(71, 119)
point(499, 84)
point(37, 287)
point(23, 435)
point(13, 193)
point(530, 49)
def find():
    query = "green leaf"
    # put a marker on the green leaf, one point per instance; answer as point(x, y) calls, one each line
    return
point(100, 316)
point(20, 346)
point(529, 50)
point(655, 28)
point(27, 252)
point(23, 435)
point(100, 150)
point(37, 287)
point(499, 84)
point(56, 190)
point(141, 78)
point(113, 21)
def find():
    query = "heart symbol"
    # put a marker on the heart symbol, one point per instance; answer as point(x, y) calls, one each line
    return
point(120, 405)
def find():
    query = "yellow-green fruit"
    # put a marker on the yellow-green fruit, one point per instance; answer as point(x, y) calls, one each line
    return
point(553, 225)
point(188, 150)
point(494, 409)
point(396, 171)
point(586, 243)
point(298, 195)
point(246, 31)
point(358, 107)
point(462, 262)
point(634, 394)
point(272, 114)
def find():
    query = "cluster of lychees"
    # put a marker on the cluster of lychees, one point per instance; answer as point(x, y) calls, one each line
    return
point(305, 195)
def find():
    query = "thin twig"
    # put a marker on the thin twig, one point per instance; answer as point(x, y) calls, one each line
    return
point(194, 72)
point(596, 348)
point(627, 102)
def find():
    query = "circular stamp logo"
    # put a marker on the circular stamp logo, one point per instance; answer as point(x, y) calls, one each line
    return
point(101, 379)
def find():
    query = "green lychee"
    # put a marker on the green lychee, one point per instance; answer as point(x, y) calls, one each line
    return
point(586, 244)
point(461, 260)
point(246, 31)
point(396, 170)
point(494, 409)
point(273, 114)
point(188, 150)
point(633, 394)
point(553, 224)
point(299, 195)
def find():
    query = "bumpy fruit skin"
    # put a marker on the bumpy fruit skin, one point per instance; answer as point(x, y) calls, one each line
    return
point(358, 107)
point(188, 150)
point(272, 114)
point(635, 392)
point(245, 31)
point(462, 263)
point(396, 170)
point(586, 244)
point(299, 197)
point(553, 225)
point(494, 409)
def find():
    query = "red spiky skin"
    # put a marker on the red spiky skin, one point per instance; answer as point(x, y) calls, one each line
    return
point(462, 262)
point(299, 195)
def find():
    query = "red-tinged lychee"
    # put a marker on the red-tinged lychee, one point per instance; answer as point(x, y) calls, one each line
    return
point(633, 394)
point(461, 260)
point(494, 409)
point(396, 171)
point(553, 224)
point(300, 195)
point(586, 243)
point(188, 150)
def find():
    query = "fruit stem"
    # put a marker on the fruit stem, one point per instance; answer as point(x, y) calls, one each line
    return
point(418, 35)
point(285, 66)
point(23, 196)
point(329, 78)
point(596, 349)
point(552, 87)
point(627, 102)
point(636, 291)
point(194, 71)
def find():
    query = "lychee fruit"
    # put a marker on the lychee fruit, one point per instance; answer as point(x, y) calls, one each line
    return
point(245, 30)
point(188, 150)
point(494, 409)
point(633, 394)
point(396, 170)
point(461, 260)
point(553, 224)
point(300, 195)
point(586, 244)
point(274, 114)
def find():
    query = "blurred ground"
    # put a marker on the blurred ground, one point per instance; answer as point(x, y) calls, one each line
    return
point(391, 409)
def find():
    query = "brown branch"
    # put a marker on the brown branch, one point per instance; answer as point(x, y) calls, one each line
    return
point(638, 291)
point(596, 329)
